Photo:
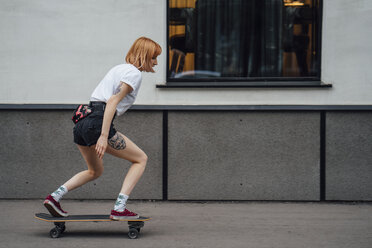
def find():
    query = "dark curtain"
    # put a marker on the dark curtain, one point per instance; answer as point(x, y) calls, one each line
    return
point(239, 38)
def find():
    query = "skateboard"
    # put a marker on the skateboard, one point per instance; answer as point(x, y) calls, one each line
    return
point(135, 225)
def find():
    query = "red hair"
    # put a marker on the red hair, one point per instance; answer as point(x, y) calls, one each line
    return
point(141, 53)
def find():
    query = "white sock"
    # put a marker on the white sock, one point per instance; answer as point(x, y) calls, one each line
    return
point(121, 202)
point(61, 191)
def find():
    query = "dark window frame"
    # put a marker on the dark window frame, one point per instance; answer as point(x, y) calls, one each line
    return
point(249, 82)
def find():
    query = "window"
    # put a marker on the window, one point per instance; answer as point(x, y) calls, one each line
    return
point(261, 41)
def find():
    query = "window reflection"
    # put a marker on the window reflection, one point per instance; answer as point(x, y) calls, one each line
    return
point(242, 39)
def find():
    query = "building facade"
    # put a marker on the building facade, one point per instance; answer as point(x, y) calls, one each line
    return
point(251, 100)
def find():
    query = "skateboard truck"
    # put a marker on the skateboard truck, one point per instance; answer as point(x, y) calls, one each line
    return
point(57, 230)
point(134, 228)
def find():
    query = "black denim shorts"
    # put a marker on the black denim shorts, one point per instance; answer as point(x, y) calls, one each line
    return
point(88, 130)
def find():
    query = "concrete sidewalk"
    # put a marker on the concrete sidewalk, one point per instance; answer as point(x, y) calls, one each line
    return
point(211, 224)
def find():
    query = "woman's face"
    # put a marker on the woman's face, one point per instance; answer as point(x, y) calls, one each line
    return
point(154, 61)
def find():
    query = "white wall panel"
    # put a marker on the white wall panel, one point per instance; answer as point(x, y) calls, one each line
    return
point(58, 51)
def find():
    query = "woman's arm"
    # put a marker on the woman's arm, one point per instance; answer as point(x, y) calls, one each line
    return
point(108, 116)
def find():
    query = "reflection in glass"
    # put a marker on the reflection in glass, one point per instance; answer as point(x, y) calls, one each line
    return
point(242, 39)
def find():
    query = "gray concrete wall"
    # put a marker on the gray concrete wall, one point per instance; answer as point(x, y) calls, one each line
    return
point(38, 155)
point(244, 155)
point(212, 155)
point(349, 156)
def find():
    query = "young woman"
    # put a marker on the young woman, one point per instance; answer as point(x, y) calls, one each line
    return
point(95, 134)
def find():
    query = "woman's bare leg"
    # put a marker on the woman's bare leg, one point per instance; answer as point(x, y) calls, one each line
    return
point(95, 168)
point(132, 153)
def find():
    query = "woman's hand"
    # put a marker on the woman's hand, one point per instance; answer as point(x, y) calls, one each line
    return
point(101, 146)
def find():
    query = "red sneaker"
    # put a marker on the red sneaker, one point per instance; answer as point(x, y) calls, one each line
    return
point(54, 207)
point(126, 214)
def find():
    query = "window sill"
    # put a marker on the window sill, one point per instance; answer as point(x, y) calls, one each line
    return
point(293, 84)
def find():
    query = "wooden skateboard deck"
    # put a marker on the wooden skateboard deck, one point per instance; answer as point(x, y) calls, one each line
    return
point(135, 225)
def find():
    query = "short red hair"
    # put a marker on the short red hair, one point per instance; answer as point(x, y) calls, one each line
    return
point(141, 53)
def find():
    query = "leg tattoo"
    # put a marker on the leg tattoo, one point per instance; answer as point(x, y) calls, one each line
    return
point(117, 142)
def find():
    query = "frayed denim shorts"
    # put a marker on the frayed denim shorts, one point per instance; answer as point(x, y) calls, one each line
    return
point(88, 130)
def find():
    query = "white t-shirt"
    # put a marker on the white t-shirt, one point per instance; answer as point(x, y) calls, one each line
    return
point(110, 84)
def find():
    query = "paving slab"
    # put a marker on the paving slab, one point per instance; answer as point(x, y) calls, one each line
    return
point(196, 224)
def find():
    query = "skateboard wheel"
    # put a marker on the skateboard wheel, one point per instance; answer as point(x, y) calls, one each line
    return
point(133, 233)
point(55, 233)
